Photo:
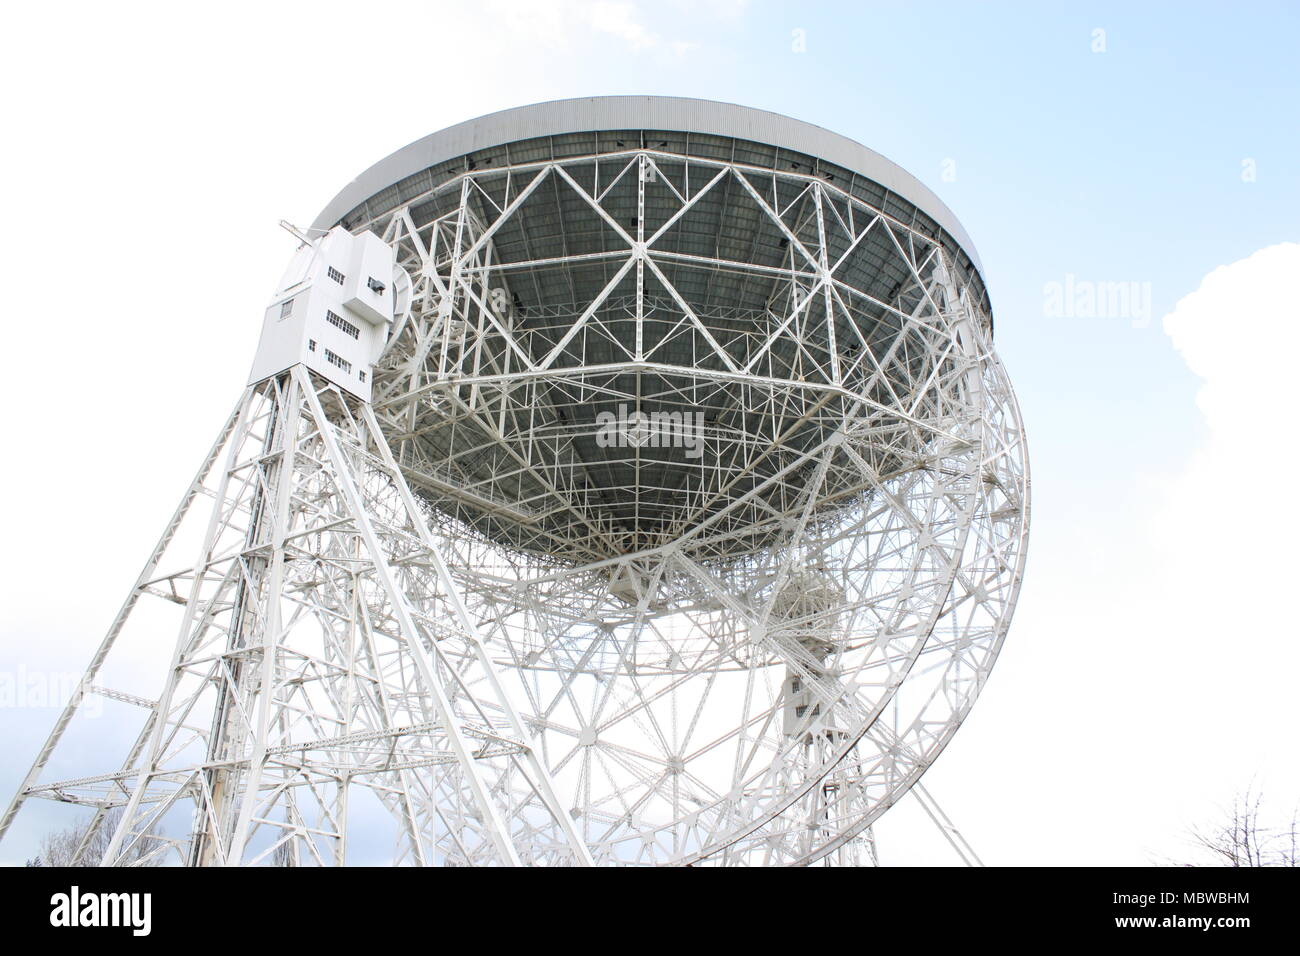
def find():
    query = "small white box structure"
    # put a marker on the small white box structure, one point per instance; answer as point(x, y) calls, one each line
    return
point(333, 311)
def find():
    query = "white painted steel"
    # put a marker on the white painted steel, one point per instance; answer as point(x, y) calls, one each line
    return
point(537, 643)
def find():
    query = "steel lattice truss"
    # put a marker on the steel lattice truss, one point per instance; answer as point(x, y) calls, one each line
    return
point(322, 648)
point(559, 650)
point(854, 528)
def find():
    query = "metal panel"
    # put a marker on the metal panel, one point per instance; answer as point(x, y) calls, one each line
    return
point(629, 113)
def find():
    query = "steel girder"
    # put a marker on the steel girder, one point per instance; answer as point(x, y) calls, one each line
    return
point(871, 443)
point(528, 663)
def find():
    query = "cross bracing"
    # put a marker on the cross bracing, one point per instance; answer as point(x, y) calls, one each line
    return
point(530, 644)
point(823, 308)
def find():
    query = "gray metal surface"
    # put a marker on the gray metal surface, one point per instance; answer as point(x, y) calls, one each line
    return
point(609, 113)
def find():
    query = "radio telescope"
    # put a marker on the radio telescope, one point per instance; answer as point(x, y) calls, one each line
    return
point(625, 480)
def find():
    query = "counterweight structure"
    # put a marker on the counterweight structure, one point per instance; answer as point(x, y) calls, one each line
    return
point(663, 502)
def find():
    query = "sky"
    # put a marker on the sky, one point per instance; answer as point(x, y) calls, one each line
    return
point(1152, 150)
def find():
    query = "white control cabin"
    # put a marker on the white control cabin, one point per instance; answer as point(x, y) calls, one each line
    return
point(333, 311)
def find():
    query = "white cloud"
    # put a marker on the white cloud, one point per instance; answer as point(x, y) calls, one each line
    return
point(563, 24)
point(1150, 670)
point(560, 25)
point(718, 9)
point(1239, 332)
point(621, 20)
point(1225, 533)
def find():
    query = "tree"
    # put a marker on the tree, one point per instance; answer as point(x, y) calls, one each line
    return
point(60, 848)
point(282, 855)
point(1242, 839)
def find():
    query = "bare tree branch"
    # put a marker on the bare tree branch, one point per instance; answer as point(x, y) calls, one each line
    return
point(1242, 839)
point(60, 847)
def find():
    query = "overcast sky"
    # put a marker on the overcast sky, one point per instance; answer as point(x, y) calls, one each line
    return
point(1151, 670)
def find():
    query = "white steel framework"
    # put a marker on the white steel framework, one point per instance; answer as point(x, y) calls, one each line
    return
point(735, 645)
